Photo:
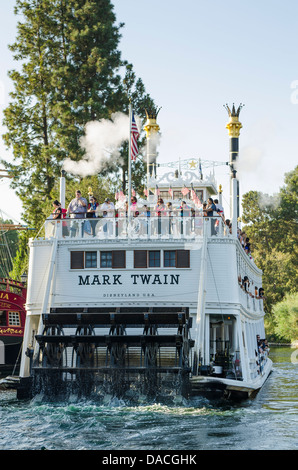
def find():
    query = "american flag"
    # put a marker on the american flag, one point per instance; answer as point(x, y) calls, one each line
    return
point(134, 138)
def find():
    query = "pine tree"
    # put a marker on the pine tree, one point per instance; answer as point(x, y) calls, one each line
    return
point(71, 72)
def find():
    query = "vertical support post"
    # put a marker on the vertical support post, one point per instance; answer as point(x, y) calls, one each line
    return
point(62, 189)
point(129, 164)
point(234, 126)
point(235, 208)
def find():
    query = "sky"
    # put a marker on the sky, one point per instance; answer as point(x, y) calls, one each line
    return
point(194, 57)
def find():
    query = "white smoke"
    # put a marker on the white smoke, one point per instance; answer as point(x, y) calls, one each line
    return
point(254, 156)
point(151, 146)
point(250, 160)
point(268, 201)
point(101, 144)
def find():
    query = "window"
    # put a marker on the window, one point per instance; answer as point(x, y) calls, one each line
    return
point(2, 318)
point(118, 259)
point(177, 259)
point(140, 259)
point(81, 259)
point(164, 194)
point(199, 193)
point(154, 259)
point(182, 259)
point(91, 259)
point(106, 259)
point(112, 259)
point(177, 195)
point(170, 259)
point(145, 259)
point(88, 259)
point(77, 260)
point(14, 319)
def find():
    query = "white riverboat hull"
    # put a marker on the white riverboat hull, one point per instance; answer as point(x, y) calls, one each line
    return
point(221, 387)
point(156, 299)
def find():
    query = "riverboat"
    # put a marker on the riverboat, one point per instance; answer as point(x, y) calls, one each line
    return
point(148, 300)
point(12, 323)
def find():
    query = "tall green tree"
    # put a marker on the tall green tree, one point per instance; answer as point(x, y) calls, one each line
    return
point(272, 225)
point(71, 72)
point(8, 248)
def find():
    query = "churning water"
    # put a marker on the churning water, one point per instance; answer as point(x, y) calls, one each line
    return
point(266, 422)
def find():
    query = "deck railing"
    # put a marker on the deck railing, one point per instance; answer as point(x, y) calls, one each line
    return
point(175, 227)
point(250, 301)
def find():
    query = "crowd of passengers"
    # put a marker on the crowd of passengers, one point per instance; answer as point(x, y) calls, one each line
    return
point(80, 208)
point(262, 345)
point(244, 283)
point(262, 352)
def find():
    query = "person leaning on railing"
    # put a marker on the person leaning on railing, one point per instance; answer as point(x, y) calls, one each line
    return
point(57, 212)
point(210, 209)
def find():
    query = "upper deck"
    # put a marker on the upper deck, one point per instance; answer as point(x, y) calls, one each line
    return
point(144, 259)
point(122, 228)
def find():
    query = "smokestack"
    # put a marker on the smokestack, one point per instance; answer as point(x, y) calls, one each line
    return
point(62, 189)
point(234, 126)
point(151, 127)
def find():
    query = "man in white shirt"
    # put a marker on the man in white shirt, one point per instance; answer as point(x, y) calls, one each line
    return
point(77, 208)
point(108, 210)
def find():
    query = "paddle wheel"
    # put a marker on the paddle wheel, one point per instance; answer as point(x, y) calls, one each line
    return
point(111, 350)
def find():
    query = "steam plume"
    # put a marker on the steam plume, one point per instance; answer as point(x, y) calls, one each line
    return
point(101, 144)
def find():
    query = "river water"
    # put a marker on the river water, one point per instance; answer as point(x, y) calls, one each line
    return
point(267, 422)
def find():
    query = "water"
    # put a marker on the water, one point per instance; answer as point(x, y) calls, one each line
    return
point(266, 422)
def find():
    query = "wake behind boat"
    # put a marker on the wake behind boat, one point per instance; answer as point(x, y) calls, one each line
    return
point(147, 296)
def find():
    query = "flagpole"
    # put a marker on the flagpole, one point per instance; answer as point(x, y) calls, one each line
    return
point(129, 162)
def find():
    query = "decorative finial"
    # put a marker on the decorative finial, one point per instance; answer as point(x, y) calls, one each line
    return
point(152, 113)
point(234, 125)
point(233, 112)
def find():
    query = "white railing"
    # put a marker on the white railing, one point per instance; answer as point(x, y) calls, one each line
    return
point(250, 301)
point(257, 364)
point(176, 227)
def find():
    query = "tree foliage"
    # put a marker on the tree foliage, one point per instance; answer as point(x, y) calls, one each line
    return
point(272, 225)
point(71, 72)
point(285, 315)
point(8, 248)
